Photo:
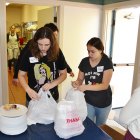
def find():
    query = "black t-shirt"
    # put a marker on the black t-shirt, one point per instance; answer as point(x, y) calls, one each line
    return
point(16, 69)
point(94, 75)
point(41, 71)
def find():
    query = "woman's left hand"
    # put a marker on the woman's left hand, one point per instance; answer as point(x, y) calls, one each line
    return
point(47, 86)
point(82, 88)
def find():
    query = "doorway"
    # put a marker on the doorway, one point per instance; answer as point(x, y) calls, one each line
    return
point(121, 43)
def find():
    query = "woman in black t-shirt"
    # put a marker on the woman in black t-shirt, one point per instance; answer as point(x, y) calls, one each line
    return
point(55, 30)
point(96, 70)
point(44, 64)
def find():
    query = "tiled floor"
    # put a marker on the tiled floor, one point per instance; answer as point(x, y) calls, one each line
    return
point(16, 93)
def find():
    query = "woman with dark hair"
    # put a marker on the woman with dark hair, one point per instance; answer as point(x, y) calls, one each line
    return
point(96, 70)
point(43, 50)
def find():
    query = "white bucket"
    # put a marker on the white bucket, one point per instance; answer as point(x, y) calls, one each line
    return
point(13, 122)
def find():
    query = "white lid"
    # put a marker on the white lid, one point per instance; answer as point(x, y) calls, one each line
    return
point(21, 110)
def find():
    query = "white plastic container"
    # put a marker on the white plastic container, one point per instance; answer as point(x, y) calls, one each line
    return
point(14, 121)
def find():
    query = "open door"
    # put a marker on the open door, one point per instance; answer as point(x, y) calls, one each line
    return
point(121, 47)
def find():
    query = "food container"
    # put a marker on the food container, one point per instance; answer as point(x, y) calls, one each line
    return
point(13, 121)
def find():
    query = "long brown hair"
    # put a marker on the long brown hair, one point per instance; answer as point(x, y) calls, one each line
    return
point(41, 33)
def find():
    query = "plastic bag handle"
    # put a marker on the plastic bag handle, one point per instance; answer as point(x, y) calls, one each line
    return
point(41, 91)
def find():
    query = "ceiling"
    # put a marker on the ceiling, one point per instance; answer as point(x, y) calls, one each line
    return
point(100, 2)
point(15, 5)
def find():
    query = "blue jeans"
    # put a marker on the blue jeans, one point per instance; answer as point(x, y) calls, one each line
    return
point(98, 115)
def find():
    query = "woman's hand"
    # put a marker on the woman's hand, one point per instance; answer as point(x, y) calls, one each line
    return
point(78, 86)
point(22, 78)
point(82, 88)
point(33, 94)
point(47, 86)
point(75, 84)
point(79, 80)
point(15, 81)
point(71, 74)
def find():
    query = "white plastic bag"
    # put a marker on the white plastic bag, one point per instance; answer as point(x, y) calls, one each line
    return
point(67, 122)
point(43, 110)
point(79, 100)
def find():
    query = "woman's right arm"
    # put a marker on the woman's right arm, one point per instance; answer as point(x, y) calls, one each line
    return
point(22, 79)
point(79, 80)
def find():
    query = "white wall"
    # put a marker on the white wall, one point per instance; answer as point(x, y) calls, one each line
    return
point(79, 25)
point(45, 16)
point(3, 56)
point(13, 15)
point(30, 12)
point(136, 79)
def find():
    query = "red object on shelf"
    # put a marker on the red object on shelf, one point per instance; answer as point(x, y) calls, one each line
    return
point(21, 41)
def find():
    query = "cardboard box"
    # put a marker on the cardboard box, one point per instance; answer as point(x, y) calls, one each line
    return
point(115, 132)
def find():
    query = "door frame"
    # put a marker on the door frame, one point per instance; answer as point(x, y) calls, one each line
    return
point(122, 5)
point(4, 92)
point(3, 51)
